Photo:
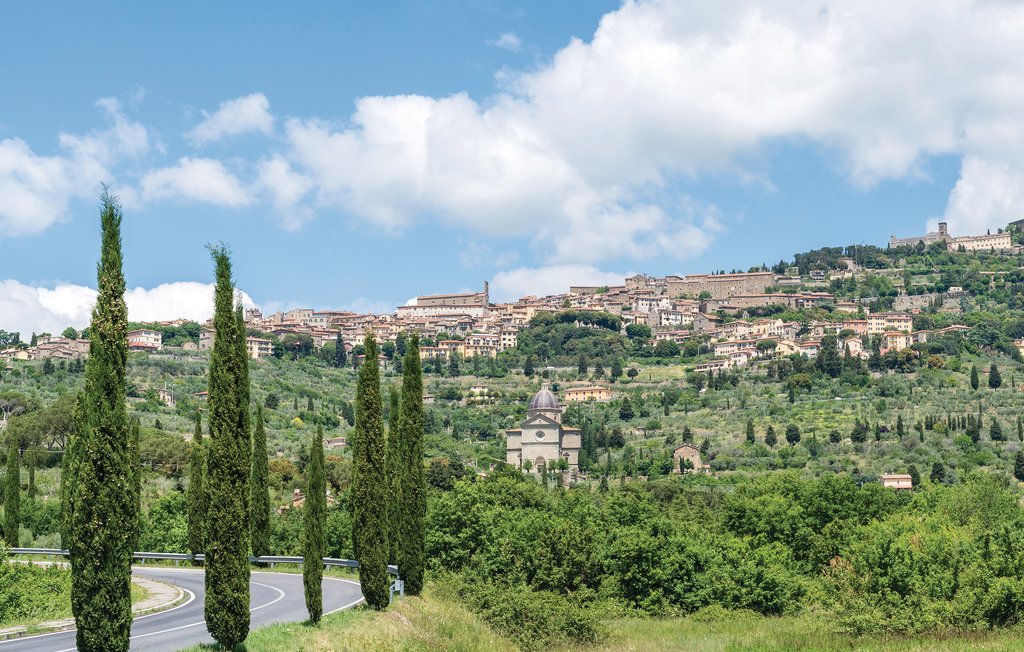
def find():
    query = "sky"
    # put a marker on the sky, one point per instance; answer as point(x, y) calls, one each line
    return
point(354, 155)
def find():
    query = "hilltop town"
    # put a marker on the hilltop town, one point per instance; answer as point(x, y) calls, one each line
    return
point(717, 308)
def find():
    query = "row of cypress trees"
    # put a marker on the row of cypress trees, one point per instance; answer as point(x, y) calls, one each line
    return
point(388, 480)
point(228, 501)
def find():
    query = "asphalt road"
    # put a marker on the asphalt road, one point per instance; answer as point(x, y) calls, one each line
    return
point(275, 598)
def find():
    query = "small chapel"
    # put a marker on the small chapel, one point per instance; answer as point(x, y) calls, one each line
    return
point(541, 439)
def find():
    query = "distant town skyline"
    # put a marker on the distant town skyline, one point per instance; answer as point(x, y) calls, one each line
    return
point(355, 157)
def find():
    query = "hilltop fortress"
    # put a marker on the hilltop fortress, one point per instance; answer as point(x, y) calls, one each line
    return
point(990, 241)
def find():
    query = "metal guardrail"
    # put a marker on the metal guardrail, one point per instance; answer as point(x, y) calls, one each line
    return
point(183, 556)
point(396, 587)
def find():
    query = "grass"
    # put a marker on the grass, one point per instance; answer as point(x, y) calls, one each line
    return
point(812, 633)
point(411, 625)
point(436, 622)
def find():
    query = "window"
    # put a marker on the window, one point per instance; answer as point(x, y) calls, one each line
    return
point(540, 434)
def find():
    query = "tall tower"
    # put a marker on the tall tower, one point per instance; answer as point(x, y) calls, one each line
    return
point(487, 295)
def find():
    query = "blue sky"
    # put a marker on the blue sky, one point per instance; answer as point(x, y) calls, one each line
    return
point(354, 156)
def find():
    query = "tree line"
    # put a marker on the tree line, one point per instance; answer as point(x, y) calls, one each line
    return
point(227, 496)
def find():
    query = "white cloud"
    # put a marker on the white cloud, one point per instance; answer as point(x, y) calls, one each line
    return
point(573, 152)
point(287, 190)
point(553, 279)
point(988, 196)
point(36, 188)
point(28, 308)
point(196, 179)
point(507, 41)
point(233, 117)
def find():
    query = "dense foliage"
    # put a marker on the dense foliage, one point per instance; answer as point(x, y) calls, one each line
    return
point(314, 520)
point(413, 496)
point(103, 486)
point(370, 487)
point(228, 460)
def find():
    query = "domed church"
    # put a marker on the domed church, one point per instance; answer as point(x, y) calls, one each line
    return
point(541, 438)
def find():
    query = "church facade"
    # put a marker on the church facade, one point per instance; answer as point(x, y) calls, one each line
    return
point(541, 439)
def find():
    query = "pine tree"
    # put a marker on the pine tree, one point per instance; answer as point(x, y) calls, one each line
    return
point(370, 489)
point(195, 496)
point(412, 555)
point(314, 519)
point(626, 409)
point(103, 494)
point(769, 437)
point(938, 473)
point(1018, 466)
point(974, 377)
point(259, 502)
point(750, 431)
point(581, 366)
point(12, 494)
point(393, 473)
point(995, 379)
point(227, 468)
point(528, 369)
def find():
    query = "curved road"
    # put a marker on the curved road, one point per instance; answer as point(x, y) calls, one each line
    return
point(275, 598)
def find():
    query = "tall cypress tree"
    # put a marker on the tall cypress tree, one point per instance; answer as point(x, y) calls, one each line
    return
point(370, 489)
point(260, 493)
point(12, 494)
point(393, 465)
point(227, 522)
point(103, 498)
point(196, 495)
point(315, 522)
point(413, 500)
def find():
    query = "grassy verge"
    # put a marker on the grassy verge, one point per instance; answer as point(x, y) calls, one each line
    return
point(411, 625)
point(757, 633)
point(436, 622)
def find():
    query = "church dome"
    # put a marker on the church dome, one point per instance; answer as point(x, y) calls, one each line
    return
point(544, 400)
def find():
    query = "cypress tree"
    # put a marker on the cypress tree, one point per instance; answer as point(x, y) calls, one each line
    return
point(195, 496)
point(750, 431)
point(314, 517)
point(412, 553)
point(393, 465)
point(103, 494)
point(227, 523)
point(1018, 466)
point(260, 502)
point(995, 379)
point(12, 494)
point(770, 439)
point(370, 489)
point(974, 377)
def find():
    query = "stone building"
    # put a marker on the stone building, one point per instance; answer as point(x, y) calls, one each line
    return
point(541, 438)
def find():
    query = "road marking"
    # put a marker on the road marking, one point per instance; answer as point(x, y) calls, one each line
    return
point(350, 604)
point(192, 597)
